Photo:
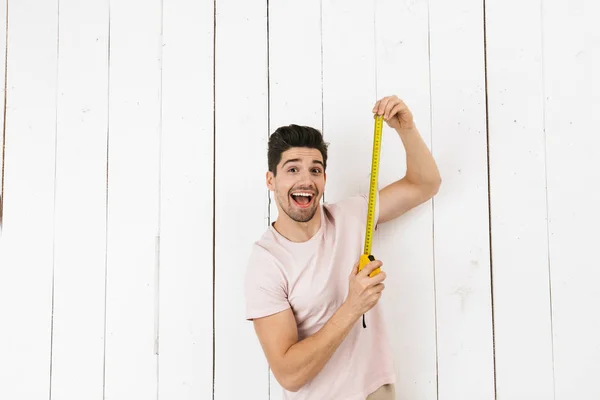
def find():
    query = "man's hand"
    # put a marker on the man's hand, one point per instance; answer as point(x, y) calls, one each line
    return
point(395, 113)
point(363, 291)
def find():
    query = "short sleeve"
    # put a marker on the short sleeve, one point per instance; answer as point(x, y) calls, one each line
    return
point(265, 287)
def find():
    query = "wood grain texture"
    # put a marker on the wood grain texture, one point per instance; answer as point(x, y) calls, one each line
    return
point(186, 236)
point(80, 216)
point(406, 244)
point(461, 228)
point(26, 273)
point(294, 79)
point(133, 199)
point(241, 370)
point(522, 316)
point(571, 60)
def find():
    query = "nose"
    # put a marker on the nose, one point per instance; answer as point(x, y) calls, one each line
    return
point(306, 179)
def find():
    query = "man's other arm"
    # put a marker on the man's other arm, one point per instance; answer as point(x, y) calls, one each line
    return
point(293, 362)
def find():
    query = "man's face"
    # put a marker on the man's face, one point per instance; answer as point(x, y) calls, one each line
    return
point(299, 184)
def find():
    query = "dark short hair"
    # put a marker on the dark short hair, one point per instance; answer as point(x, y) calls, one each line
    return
point(286, 137)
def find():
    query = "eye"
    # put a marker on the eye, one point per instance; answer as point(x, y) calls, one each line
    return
point(293, 169)
point(316, 170)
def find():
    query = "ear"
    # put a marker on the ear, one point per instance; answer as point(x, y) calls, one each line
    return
point(269, 180)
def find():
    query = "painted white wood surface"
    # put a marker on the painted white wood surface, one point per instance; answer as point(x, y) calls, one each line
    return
point(461, 234)
point(186, 202)
point(406, 244)
point(26, 272)
point(571, 37)
point(295, 87)
point(3, 28)
point(133, 199)
point(80, 210)
point(241, 216)
point(522, 314)
point(349, 94)
point(294, 80)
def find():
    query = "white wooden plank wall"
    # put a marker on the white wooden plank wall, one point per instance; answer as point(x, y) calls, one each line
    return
point(133, 198)
point(241, 201)
point(571, 53)
point(27, 265)
point(185, 318)
point(522, 308)
point(461, 242)
point(3, 29)
point(134, 184)
point(80, 201)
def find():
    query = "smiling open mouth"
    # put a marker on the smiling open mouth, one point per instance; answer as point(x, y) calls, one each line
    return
point(302, 199)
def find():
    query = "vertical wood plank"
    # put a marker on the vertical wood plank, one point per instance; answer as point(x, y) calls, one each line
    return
point(133, 199)
point(349, 94)
point(241, 207)
point(3, 32)
point(461, 234)
point(27, 265)
point(571, 36)
point(406, 244)
point(80, 218)
point(522, 316)
point(295, 64)
point(186, 276)
point(294, 78)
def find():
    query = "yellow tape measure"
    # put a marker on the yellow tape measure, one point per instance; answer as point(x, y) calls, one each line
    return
point(367, 257)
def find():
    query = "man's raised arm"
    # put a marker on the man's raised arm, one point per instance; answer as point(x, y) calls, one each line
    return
point(422, 179)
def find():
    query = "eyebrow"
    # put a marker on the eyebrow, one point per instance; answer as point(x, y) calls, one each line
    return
point(297, 160)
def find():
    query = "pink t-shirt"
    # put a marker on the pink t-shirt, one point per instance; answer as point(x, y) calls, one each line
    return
point(311, 278)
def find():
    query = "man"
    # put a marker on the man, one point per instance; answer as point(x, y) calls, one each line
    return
point(303, 292)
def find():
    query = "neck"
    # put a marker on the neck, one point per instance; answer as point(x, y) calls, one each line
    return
point(297, 231)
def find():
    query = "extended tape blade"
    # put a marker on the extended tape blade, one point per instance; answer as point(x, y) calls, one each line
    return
point(373, 187)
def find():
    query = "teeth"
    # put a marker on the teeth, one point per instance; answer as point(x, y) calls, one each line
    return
point(302, 194)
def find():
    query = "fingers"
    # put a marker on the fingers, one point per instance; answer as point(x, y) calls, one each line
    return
point(384, 105)
point(376, 107)
point(378, 288)
point(375, 293)
point(389, 106)
point(370, 267)
point(395, 110)
point(380, 106)
point(377, 279)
